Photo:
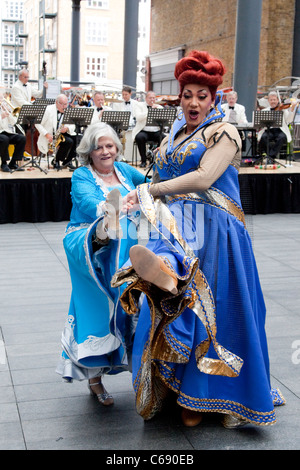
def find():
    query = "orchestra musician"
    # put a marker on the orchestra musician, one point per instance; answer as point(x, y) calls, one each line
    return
point(51, 127)
point(128, 104)
point(132, 105)
point(22, 92)
point(8, 136)
point(99, 106)
point(235, 113)
point(277, 136)
point(142, 133)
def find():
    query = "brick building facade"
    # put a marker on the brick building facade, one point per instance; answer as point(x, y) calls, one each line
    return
point(179, 26)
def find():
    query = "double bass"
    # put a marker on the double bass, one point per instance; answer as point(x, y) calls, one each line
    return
point(36, 134)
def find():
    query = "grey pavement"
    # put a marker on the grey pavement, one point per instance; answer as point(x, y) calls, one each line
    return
point(38, 411)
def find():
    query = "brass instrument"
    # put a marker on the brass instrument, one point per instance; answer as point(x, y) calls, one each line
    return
point(11, 110)
point(8, 107)
point(57, 139)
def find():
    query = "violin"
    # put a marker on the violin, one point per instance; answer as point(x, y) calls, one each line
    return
point(286, 105)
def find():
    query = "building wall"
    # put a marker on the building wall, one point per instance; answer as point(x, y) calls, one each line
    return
point(210, 25)
point(60, 32)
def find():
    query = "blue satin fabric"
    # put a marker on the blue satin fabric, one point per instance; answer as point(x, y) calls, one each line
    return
point(224, 250)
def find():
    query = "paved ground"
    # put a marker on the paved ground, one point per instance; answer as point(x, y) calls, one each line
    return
point(39, 411)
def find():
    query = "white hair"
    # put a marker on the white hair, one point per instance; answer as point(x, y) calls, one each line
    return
point(232, 93)
point(89, 141)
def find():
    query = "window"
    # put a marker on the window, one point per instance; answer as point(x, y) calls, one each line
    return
point(97, 32)
point(8, 79)
point(103, 4)
point(8, 58)
point(8, 34)
point(14, 9)
point(96, 66)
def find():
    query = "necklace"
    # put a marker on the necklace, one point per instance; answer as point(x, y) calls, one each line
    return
point(104, 175)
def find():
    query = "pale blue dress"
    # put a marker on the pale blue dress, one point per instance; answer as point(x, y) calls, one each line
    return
point(97, 334)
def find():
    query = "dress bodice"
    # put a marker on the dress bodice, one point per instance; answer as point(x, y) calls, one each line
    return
point(181, 157)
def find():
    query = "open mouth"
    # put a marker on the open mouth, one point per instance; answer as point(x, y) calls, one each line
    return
point(193, 115)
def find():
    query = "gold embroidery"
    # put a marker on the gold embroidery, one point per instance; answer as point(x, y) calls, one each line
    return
point(181, 156)
point(215, 198)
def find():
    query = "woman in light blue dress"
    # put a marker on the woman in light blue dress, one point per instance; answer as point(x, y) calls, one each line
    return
point(200, 330)
point(97, 335)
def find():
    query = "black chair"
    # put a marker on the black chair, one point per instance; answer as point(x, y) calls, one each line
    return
point(150, 145)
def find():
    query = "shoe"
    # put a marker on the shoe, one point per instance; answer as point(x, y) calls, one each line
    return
point(143, 165)
point(112, 208)
point(5, 168)
point(15, 166)
point(191, 418)
point(151, 268)
point(55, 164)
point(104, 398)
point(233, 422)
point(71, 167)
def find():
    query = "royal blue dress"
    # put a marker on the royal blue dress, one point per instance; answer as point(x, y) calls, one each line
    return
point(97, 333)
point(208, 342)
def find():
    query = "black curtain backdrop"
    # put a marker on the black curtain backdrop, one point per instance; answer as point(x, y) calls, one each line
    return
point(35, 200)
point(270, 193)
point(49, 200)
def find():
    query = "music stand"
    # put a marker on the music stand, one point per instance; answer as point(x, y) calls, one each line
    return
point(162, 117)
point(268, 119)
point(81, 117)
point(32, 114)
point(46, 101)
point(119, 120)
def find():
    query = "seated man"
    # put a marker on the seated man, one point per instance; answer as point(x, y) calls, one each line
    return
point(8, 136)
point(234, 113)
point(277, 136)
point(142, 133)
point(99, 106)
point(49, 129)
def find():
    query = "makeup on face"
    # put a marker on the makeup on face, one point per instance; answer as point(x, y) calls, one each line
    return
point(196, 102)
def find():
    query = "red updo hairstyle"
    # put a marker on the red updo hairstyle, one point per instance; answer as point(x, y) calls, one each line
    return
point(200, 67)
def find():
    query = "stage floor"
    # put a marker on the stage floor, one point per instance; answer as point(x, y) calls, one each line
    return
point(35, 173)
point(33, 196)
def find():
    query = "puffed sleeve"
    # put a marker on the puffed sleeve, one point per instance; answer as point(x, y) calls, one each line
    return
point(86, 194)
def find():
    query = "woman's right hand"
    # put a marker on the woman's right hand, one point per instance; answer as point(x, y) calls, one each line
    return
point(130, 202)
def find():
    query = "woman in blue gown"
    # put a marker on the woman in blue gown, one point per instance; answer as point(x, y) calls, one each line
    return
point(201, 329)
point(97, 335)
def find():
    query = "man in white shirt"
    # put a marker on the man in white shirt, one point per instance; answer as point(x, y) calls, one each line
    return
point(128, 104)
point(99, 106)
point(234, 113)
point(277, 136)
point(22, 91)
point(8, 136)
point(142, 133)
point(52, 124)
